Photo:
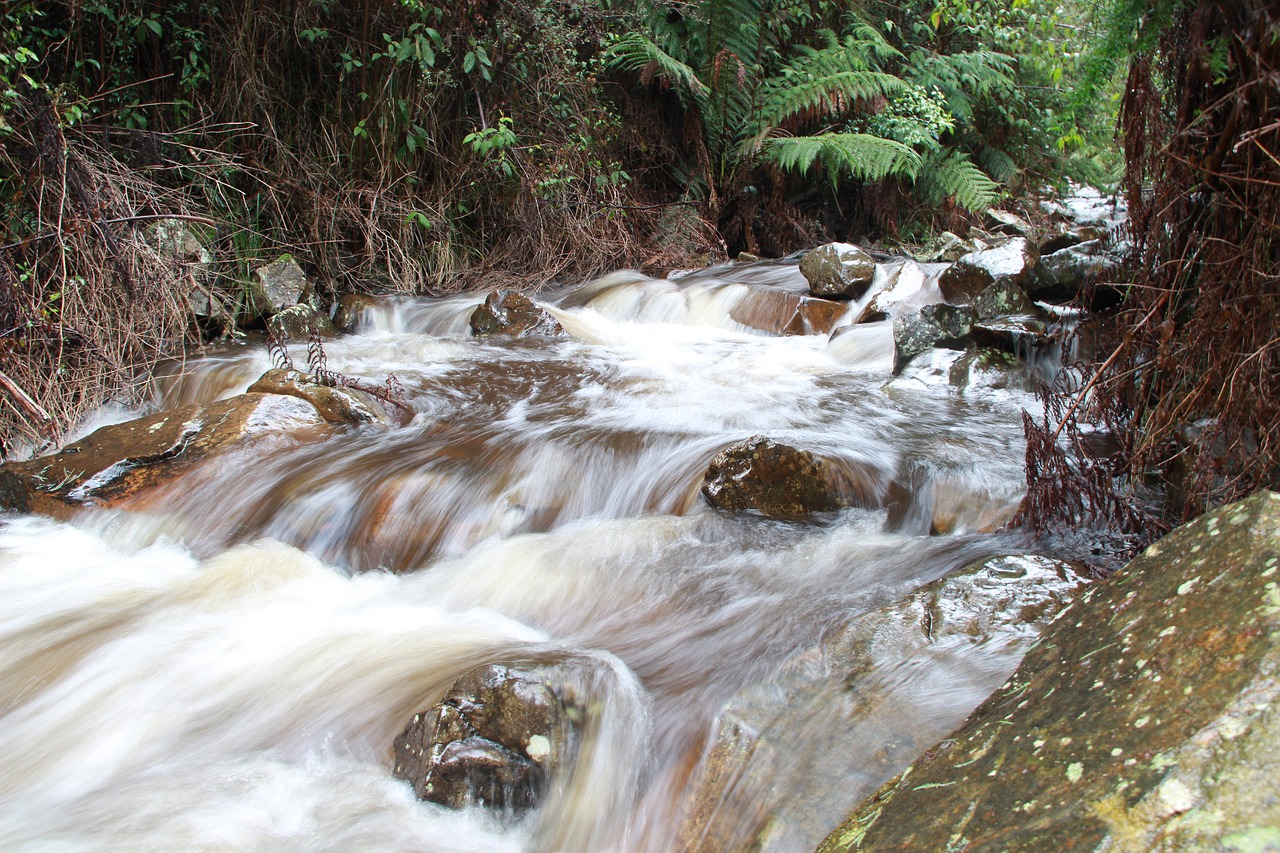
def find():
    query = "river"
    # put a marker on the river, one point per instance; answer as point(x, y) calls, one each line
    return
point(223, 664)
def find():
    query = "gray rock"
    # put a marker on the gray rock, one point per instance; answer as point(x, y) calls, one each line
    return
point(940, 325)
point(987, 367)
point(297, 322)
point(946, 248)
point(508, 312)
point(838, 271)
point(1015, 263)
point(275, 286)
point(791, 755)
point(780, 481)
point(1146, 718)
point(1018, 334)
point(496, 739)
point(1004, 222)
point(1071, 268)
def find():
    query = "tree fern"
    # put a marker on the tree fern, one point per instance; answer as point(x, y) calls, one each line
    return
point(859, 155)
point(637, 53)
point(951, 174)
point(963, 78)
point(826, 82)
point(998, 164)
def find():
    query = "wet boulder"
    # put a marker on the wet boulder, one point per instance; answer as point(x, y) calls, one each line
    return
point(1002, 298)
point(351, 310)
point(299, 322)
point(1018, 334)
point(335, 403)
point(841, 717)
point(781, 312)
point(497, 738)
point(1146, 718)
point(117, 462)
point(1015, 262)
point(1071, 268)
point(906, 288)
point(779, 481)
point(509, 312)
point(838, 271)
point(987, 367)
point(940, 325)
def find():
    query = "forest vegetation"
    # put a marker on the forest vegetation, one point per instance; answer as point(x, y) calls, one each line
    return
point(425, 148)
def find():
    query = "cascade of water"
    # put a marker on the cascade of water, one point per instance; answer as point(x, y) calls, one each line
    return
point(221, 664)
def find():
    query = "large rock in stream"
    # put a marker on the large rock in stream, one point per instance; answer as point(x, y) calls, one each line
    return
point(791, 755)
point(495, 739)
point(117, 461)
point(508, 312)
point(1016, 262)
point(1147, 717)
point(780, 481)
point(838, 271)
point(335, 403)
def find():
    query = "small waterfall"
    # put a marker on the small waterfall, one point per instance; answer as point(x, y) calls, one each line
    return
point(223, 662)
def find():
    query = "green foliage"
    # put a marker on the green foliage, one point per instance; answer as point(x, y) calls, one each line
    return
point(863, 156)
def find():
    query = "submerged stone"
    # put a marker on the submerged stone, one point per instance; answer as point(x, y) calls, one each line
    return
point(495, 739)
point(780, 481)
point(838, 271)
point(789, 756)
point(298, 322)
point(509, 312)
point(780, 312)
point(351, 310)
point(1146, 718)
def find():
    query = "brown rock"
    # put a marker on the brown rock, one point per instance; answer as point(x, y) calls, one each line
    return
point(781, 482)
point(781, 312)
point(507, 312)
point(335, 403)
point(118, 461)
point(351, 310)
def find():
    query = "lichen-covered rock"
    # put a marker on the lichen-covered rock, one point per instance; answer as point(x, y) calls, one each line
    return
point(1014, 262)
point(496, 739)
point(838, 271)
point(509, 312)
point(781, 312)
point(1002, 298)
point(791, 755)
point(297, 322)
point(351, 310)
point(940, 325)
point(946, 248)
point(118, 461)
point(275, 286)
point(335, 403)
point(780, 481)
point(1146, 718)
point(985, 367)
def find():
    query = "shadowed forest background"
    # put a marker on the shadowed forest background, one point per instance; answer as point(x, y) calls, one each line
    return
point(406, 147)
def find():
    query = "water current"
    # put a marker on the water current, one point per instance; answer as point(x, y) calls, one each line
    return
point(223, 664)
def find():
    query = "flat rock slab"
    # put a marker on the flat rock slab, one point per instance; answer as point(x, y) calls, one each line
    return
point(780, 312)
point(1146, 718)
point(117, 461)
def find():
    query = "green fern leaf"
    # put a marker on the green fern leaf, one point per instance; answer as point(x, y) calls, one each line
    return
point(953, 175)
point(636, 53)
point(860, 155)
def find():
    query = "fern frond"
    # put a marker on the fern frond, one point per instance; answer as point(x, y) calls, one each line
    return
point(998, 164)
point(963, 78)
point(952, 174)
point(636, 53)
point(861, 155)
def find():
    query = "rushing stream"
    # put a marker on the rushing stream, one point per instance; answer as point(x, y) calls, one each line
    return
point(223, 664)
